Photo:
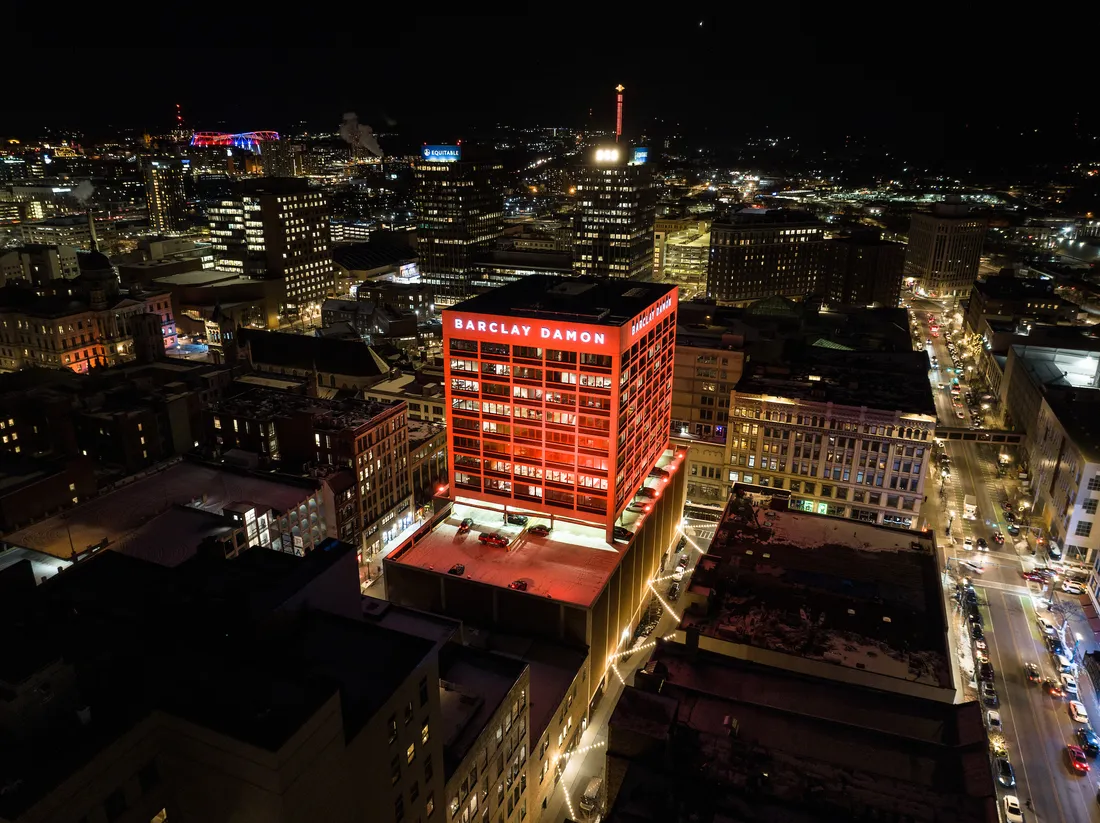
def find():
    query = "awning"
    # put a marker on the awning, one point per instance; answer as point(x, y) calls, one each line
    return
point(1089, 608)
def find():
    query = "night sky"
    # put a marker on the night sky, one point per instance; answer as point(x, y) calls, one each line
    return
point(915, 76)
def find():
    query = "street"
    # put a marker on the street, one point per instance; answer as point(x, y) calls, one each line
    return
point(1037, 726)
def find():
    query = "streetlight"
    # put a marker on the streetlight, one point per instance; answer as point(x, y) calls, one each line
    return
point(1076, 643)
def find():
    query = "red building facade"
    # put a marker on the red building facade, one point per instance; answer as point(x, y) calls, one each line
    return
point(560, 394)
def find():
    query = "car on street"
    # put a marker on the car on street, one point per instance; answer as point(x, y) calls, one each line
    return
point(516, 519)
point(980, 644)
point(541, 530)
point(985, 672)
point(994, 719)
point(1031, 671)
point(1012, 809)
point(968, 542)
point(959, 414)
point(976, 631)
point(1045, 626)
point(493, 539)
point(1010, 517)
point(1087, 740)
point(1077, 711)
point(989, 694)
point(1055, 645)
point(673, 591)
point(1077, 760)
point(1013, 529)
point(678, 573)
point(972, 566)
point(683, 561)
point(982, 545)
point(457, 569)
point(1054, 688)
point(1005, 774)
point(1072, 587)
point(998, 538)
point(656, 472)
point(464, 526)
point(647, 493)
point(1034, 577)
point(1069, 684)
point(518, 585)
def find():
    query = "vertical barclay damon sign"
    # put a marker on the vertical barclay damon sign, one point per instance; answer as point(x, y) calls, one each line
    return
point(441, 154)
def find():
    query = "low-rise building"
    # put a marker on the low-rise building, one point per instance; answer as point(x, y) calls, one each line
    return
point(327, 710)
point(1029, 300)
point(785, 606)
point(427, 460)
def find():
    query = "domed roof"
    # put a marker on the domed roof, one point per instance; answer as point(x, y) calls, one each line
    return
point(93, 261)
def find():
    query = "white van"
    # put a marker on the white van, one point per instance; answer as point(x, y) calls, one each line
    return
point(590, 800)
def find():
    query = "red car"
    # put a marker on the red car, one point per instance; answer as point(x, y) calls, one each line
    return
point(998, 537)
point(1034, 577)
point(498, 540)
point(1077, 760)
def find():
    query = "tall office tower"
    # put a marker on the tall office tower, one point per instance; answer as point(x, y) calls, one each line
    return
point(277, 228)
point(756, 253)
point(282, 158)
point(459, 214)
point(560, 394)
point(616, 209)
point(164, 195)
point(865, 270)
point(945, 248)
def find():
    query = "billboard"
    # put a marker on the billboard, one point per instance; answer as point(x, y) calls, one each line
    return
point(441, 154)
point(639, 157)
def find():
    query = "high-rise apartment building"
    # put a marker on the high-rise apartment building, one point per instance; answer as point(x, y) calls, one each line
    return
point(945, 247)
point(282, 158)
point(864, 270)
point(165, 196)
point(615, 213)
point(277, 228)
point(756, 253)
point(459, 214)
point(560, 394)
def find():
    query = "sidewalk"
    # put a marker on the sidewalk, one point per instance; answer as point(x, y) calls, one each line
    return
point(590, 757)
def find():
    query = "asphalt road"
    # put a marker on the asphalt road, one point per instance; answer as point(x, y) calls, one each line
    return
point(1037, 726)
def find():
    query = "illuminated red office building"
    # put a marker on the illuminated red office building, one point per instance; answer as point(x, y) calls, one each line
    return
point(560, 393)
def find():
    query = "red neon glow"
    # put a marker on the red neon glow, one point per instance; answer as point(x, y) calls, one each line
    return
point(245, 139)
point(619, 111)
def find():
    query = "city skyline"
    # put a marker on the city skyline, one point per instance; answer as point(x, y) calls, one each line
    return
point(796, 71)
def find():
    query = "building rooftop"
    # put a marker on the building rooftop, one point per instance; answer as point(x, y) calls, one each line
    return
point(863, 741)
point(327, 415)
point(750, 218)
point(848, 594)
point(1010, 287)
point(551, 262)
point(571, 564)
point(200, 277)
point(1070, 367)
point(324, 354)
point(1079, 413)
point(371, 256)
point(608, 302)
point(827, 371)
point(121, 516)
point(421, 431)
point(472, 686)
point(210, 655)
